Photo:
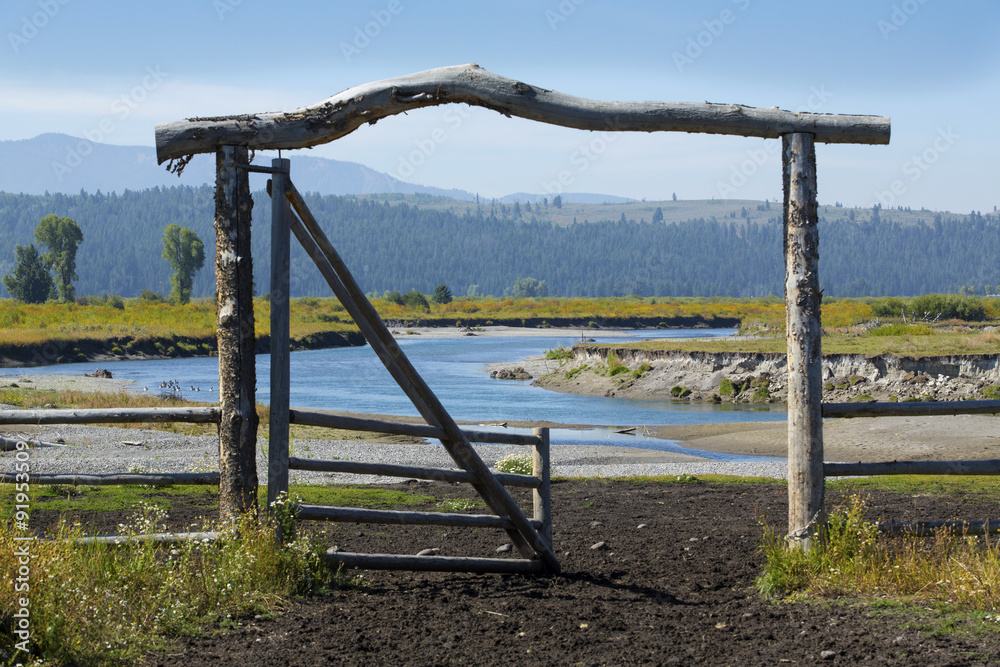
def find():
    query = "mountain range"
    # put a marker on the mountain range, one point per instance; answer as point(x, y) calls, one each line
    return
point(61, 163)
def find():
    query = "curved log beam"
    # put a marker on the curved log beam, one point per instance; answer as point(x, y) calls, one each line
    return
point(343, 113)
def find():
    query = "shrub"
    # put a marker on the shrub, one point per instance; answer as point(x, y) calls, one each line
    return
point(518, 464)
point(560, 354)
point(891, 307)
point(414, 299)
point(726, 387)
point(393, 296)
point(992, 392)
point(678, 391)
point(638, 373)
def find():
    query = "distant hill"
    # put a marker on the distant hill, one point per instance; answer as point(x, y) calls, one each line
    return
point(61, 163)
point(405, 241)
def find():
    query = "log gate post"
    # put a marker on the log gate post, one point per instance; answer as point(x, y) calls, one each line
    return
point(803, 331)
point(235, 327)
point(281, 215)
point(542, 496)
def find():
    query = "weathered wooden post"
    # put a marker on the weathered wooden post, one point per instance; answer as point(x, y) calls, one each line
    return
point(235, 330)
point(281, 215)
point(802, 321)
point(542, 469)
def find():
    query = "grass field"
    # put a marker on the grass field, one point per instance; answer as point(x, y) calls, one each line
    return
point(121, 325)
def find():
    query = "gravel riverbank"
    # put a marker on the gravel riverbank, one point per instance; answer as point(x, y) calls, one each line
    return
point(102, 450)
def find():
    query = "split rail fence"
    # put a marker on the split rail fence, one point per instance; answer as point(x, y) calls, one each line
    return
point(918, 409)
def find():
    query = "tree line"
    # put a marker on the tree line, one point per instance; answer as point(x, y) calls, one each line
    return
point(488, 250)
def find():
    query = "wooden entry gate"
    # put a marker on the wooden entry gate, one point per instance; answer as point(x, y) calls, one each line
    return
point(532, 539)
point(230, 137)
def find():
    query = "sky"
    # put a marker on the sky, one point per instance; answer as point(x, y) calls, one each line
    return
point(110, 71)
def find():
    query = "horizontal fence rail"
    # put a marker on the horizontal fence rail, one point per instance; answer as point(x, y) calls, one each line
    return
point(910, 409)
point(309, 418)
point(206, 415)
point(125, 479)
point(415, 472)
point(435, 563)
point(986, 467)
point(356, 515)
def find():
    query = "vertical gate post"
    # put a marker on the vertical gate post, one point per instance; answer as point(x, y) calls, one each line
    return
point(281, 214)
point(541, 468)
point(235, 330)
point(803, 331)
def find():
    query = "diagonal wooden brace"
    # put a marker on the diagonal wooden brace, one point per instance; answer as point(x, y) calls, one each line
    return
point(307, 230)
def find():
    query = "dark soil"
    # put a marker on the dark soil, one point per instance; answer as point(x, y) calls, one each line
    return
point(678, 590)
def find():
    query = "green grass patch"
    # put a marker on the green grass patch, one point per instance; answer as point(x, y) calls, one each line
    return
point(900, 329)
point(66, 498)
point(957, 486)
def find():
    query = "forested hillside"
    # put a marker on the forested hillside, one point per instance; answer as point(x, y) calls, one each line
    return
point(399, 246)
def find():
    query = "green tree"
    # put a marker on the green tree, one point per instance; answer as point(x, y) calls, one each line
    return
point(30, 281)
point(414, 299)
point(441, 294)
point(61, 236)
point(392, 296)
point(529, 287)
point(557, 201)
point(186, 254)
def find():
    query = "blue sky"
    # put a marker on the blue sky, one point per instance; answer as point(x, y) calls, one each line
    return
point(112, 70)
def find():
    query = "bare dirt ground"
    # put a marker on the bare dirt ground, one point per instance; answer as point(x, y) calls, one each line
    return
point(673, 583)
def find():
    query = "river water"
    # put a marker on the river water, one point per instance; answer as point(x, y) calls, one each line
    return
point(354, 380)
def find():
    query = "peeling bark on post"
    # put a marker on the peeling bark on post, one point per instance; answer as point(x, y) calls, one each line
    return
point(235, 330)
point(802, 320)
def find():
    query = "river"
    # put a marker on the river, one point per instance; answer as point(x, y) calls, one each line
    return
point(353, 380)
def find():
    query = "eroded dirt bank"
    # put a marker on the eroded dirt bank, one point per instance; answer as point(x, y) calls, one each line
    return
point(740, 377)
